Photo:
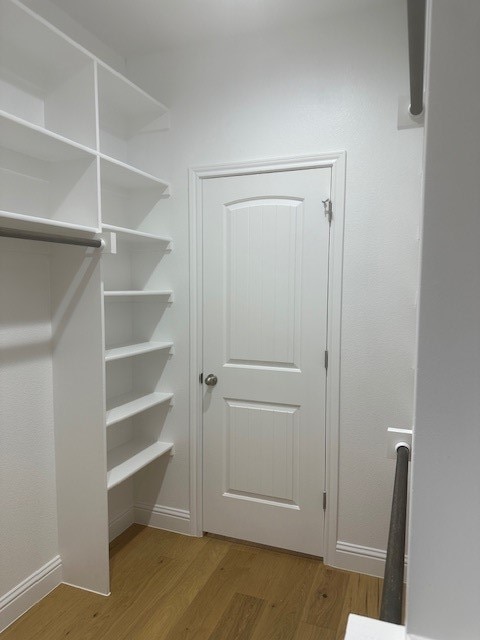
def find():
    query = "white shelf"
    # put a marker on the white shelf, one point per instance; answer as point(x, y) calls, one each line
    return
point(128, 99)
point(120, 174)
point(131, 350)
point(23, 221)
point(124, 461)
point(134, 238)
point(136, 295)
point(35, 141)
point(46, 78)
point(132, 404)
point(127, 117)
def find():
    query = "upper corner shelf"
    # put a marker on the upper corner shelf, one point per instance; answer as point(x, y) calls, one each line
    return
point(47, 80)
point(128, 118)
point(119, 174)
point(46, 179)
point(35, 141)
point(129, 100)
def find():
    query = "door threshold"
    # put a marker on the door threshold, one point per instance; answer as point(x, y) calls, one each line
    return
point(258, 545)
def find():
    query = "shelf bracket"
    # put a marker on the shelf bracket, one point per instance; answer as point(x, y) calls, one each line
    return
point(110, 240)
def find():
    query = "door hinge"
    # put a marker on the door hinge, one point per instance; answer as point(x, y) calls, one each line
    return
point(200, 378)
point(324, 500)
point(326, 359)
point(328, 209)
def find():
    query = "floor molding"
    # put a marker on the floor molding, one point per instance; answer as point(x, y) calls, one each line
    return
point(120, 523)
point(355, 557)
point(160, 517)
point(22, 597)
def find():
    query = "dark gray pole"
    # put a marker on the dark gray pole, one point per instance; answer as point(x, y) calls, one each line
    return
point(416, 51)
point(45, 237)
point(392, 596)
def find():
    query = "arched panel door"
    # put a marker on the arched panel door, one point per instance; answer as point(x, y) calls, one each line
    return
point(265, 248)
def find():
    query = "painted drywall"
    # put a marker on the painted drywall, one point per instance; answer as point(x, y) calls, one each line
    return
point(332, 86)
point(62, 20)
point(28, 499)
point(146, 26)
point(443, 587)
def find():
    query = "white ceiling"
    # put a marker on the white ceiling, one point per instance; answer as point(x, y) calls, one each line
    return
point(143, 26)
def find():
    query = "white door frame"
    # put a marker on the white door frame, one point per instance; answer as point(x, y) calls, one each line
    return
point(337, 162)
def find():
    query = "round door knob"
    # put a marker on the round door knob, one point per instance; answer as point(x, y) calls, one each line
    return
point(211, 380)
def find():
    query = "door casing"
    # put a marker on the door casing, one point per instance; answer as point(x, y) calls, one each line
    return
point(337, 162)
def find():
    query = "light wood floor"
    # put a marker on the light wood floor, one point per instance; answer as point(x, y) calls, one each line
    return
point(171, 587)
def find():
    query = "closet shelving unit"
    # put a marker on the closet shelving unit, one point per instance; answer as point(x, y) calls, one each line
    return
point(126, 116)
point(76, 144)
point(47, 127)
point(132, 273)
point(46, 181)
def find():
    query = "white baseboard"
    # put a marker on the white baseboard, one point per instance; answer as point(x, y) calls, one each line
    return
point(22, 597)
point(119, 524)
point(155, 515)
point(354, 557)
point(361, 628)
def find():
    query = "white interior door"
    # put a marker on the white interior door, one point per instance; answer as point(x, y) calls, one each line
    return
point(265, 254)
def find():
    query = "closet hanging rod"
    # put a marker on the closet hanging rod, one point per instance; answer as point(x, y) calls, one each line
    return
point(416, 11)
point(46, 237)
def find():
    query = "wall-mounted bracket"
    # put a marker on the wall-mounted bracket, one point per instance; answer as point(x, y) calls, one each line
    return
point(110, 242)
point(396, 438)
point(405, 119)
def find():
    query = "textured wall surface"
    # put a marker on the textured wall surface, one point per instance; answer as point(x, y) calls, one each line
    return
point(333, 86)
point(28, 524)
point(60, 19)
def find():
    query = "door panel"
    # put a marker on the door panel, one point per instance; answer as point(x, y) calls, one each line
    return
point(265, 248)
point(263, 277)
point(262, 456)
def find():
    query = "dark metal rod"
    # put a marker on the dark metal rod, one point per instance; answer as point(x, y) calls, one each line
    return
point(416, 52)
point(392, 596)
point(45, 237)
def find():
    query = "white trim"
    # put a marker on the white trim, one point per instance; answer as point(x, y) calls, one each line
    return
point(196, 296)
point(160, 517)
point(355, 557)
point(332, 409)
point(362, 628)
point(22, 597)
point(104, 594)
point(120, 523)
point(337, 162)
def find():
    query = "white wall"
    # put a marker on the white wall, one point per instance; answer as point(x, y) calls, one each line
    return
point(60, 19)
point(28, 523)
point(444, 585)
point(332, 86)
